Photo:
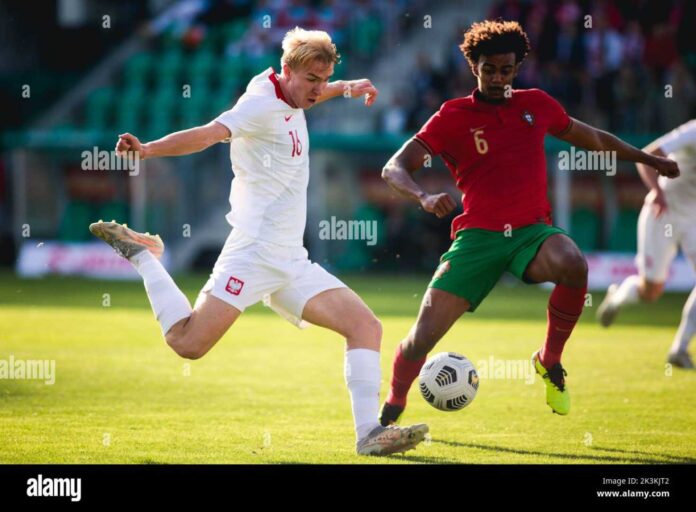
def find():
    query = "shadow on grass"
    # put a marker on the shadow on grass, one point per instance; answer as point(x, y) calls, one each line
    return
point(675, 459)
point(423, 459)
point(644, 457)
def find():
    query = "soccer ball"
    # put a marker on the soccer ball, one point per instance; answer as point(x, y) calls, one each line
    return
point(448, 381)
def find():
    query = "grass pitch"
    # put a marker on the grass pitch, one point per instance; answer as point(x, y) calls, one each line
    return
point(270, 393)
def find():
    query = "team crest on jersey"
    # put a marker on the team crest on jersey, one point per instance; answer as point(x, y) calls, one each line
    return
point(234, 286)
point(444, 267)
point(527, 116)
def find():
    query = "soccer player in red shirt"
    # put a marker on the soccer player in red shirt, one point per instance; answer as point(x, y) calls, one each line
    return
point(493, 144)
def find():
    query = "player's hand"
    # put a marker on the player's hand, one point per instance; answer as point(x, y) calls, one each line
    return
point(127, 142)
point(362, 87)
point(439, 204)
point(656, 198)
point(666, 167)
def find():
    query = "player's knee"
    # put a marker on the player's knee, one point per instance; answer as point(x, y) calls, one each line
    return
point(573, 270)
point(375, 328)
point(370, 330)
point(582, 269)
point(363, 331)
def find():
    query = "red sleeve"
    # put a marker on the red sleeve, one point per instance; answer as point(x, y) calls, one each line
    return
point(558, 120)
point(434, 134)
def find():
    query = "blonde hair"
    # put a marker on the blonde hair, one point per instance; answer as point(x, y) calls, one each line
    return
point(302, 46)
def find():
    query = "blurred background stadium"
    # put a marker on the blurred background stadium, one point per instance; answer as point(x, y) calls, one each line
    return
point(76, 73)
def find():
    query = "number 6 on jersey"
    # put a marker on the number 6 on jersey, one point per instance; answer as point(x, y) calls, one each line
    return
point(481, 144)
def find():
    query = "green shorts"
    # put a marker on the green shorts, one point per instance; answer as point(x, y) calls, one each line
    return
point(478, 257)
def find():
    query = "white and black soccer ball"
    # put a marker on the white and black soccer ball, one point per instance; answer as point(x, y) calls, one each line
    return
point(448, 381)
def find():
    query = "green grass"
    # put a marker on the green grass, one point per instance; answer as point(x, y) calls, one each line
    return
point(270, 393)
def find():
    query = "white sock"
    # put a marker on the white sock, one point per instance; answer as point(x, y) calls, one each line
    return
point(363, 377)
point(168, 302)
point(627, 292)
point(687, 327)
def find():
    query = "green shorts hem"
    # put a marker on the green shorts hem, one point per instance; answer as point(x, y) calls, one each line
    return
point(472, 266)
point(519, 263)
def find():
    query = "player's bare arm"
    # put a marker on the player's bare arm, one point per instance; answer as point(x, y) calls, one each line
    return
point(590, 138)
point(656, 195)
point(179, 143)
point(398, 173)
point(350, 89)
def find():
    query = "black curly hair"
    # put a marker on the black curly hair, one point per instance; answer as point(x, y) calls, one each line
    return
point(494, 37)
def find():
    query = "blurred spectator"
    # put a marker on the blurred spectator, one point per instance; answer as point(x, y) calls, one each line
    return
point(609, 68)
point(681, 106)
point(425, 76)
point(660, 49)
point(634, 43)
point(570, 50)
point(509, 10)
point(428, 104)
point(630, 95)
point(296, 13)
point(394, 118)
point(332, 17)
point(604, 47)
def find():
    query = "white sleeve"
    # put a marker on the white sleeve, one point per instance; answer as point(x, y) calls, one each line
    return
point(684, 135)
point(245, 119)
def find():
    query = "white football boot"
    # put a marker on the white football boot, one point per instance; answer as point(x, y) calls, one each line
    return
point(391, 439)
point(607, 311)
point(125, 241)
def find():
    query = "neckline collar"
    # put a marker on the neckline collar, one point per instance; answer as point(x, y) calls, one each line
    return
point(480, 102)
point(273, 77)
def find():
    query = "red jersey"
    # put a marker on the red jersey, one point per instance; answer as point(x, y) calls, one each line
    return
point(495, 153)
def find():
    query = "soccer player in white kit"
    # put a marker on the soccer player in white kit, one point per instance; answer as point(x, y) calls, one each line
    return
point(263, 258)
point(667, 222)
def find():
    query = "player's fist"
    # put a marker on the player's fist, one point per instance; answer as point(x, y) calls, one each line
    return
point(666, 167)
point(362, 87)
point(127, 142)
point(439, 204)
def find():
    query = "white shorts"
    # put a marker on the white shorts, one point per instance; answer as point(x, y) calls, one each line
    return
point(250, 271)
point(658, 241)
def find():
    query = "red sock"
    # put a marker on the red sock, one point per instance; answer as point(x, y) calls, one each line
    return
point(404, 372)
point(565, 307)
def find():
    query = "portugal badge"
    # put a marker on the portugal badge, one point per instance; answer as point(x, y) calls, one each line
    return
point(527, 116)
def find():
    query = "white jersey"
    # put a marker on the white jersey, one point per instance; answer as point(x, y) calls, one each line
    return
point(680, 146)
point(269, 153)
